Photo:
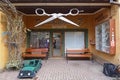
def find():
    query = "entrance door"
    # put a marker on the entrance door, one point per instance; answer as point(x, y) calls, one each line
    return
point(56, 45)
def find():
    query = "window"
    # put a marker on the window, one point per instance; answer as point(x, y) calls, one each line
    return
point(103, 37)
point(74, 40)
point(39, 39)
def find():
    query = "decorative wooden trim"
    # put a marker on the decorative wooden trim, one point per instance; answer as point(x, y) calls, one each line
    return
point(112, 37)
point(61, 4)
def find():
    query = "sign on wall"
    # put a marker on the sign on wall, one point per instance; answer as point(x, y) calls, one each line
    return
point(112, 37)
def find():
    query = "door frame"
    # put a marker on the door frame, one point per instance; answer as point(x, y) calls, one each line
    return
point(60, 44)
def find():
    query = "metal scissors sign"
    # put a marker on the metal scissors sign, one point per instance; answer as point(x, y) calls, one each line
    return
point(72, 12)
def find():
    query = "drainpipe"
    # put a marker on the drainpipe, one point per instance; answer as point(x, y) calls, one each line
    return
point(114, 2)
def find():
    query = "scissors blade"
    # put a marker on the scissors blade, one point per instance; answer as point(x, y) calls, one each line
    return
point(67, 20)
point(45, 21)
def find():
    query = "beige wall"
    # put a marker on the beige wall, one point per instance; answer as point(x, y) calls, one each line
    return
point(106, 15)
point(3, 45)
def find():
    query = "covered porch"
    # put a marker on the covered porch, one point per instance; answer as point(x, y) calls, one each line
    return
point(59, 26)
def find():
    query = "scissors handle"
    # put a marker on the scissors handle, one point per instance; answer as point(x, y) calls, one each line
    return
point(74, 12)
point(41, 12)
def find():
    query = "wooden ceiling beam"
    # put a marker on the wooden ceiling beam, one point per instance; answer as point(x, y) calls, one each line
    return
point(61, 4)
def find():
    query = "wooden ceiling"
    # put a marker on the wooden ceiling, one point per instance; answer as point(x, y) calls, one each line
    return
point(60, 6)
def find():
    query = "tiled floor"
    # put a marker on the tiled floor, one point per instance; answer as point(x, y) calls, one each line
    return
point(59, 69)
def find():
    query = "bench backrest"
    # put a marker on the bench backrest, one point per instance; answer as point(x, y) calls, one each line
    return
point(77, 51)
point(37, 50)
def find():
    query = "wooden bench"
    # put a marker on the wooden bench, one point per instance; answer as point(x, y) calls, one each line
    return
point(41, 53)
point(83, 53)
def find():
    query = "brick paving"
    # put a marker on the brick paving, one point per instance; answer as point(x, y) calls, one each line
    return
point(59, 69)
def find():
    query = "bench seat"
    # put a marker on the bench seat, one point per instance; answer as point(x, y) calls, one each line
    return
point(34, 55)
point(79, 55)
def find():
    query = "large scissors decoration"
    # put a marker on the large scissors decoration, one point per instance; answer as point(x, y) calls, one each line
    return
point(72, 12)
